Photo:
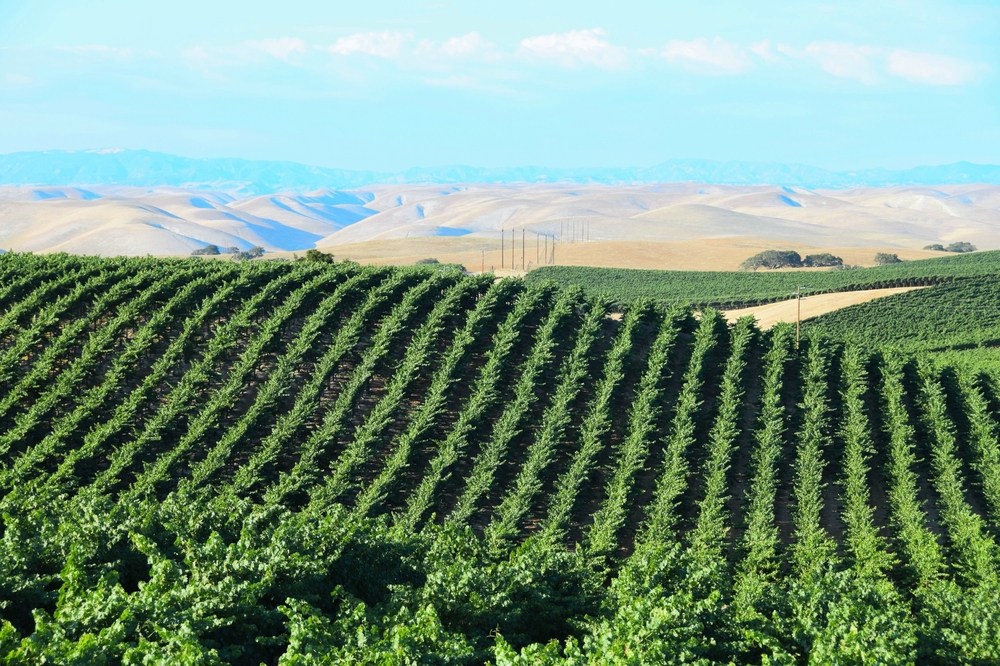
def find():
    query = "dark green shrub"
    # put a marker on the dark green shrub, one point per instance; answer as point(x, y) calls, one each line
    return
point(822, 259)
point(772, 259)
point(885, 258)
point(317, 256)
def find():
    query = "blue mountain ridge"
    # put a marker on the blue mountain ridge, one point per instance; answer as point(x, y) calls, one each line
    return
point(143, 168)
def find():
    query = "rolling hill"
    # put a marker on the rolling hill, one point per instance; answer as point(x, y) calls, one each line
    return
point(467, 220)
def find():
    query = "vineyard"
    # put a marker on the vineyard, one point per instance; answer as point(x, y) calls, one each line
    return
point(961, 314)
point(730, 290)
point(298, 463)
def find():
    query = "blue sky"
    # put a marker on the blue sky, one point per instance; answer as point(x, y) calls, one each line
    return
point(391, 85)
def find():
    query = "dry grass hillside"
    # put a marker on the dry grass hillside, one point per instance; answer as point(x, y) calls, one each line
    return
point(682, 226)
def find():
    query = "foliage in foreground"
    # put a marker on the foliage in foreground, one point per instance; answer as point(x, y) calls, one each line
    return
point(276, 587)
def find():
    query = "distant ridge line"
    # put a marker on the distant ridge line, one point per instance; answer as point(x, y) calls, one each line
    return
point(143, 168)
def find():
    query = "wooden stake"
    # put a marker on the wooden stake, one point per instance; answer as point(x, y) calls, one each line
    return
point(798, 315)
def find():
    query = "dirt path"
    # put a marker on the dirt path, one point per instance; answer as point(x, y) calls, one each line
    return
point(812, 306)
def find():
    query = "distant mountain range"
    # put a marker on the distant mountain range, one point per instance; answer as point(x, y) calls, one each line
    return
point(143, 168)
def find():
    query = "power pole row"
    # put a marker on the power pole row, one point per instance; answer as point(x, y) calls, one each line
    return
point(546, 252)
point(575, 232)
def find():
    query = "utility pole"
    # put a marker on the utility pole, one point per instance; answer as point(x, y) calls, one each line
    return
point(501, 249)
point(483, 268)
point(537, 247)
point(512, 249)
point(522, 249)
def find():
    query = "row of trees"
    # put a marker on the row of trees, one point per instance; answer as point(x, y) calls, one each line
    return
point(954, 247)
point(774, 259)
point(238, 254)
point(789, 259)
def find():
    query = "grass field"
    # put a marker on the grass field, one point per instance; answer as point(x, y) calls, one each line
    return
point(277, 462)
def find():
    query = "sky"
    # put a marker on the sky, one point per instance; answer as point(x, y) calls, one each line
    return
point(391, 85)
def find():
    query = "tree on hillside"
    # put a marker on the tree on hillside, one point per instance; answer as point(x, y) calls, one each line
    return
point(884, 258)
point(207, 250)
point(936, 247)
point(252, 253)
point(318, 256)
point(425, 262)
point(823, 259)
point(961, 246)
point(772, 259)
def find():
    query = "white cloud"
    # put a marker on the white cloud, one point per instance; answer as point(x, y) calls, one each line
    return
point(842, 59)
point(764, 50)
point(864, 63)
point(576, 47)
point(933, 69)
point(281, 48)
point(385, 44)
point(469, 44)
point(451, 61)
point(711, 57)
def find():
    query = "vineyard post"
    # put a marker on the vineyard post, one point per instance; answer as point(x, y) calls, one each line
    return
point(798, 315)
